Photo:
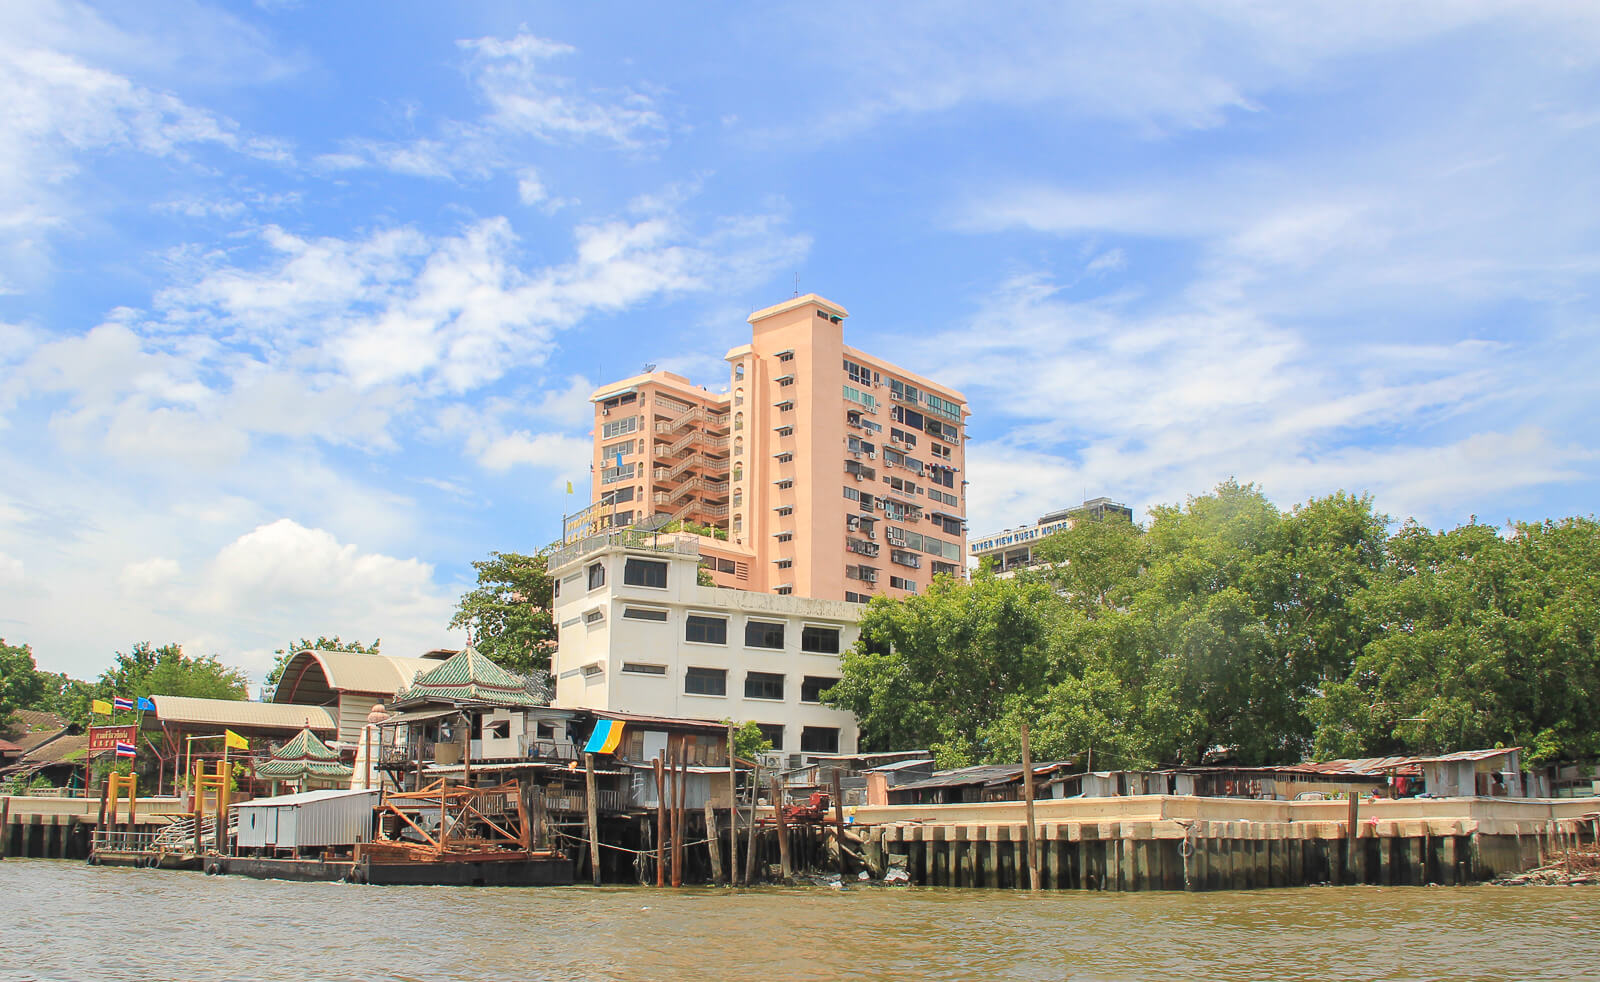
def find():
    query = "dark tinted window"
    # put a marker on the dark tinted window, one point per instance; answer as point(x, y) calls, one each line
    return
point(774, 733)
point(706, 681)
point(819, 740)
point(763, 685)
point(597, 575)
point(644, 572)
point(813, 686)
point(708, 630)
point(759, 634)
point(824, 640)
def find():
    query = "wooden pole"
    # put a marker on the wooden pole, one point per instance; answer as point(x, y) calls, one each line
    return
point(783, 828)
point(5, 825)
point(466, 754)
point(679, 826)
point(733, 812)
point(661, 824)
point(594, 818)
point(838, 819)
point(366, 772)
point(713, 843)
point(199, 802)
point(750, 852)
point(133, 802)
point(1027, 797)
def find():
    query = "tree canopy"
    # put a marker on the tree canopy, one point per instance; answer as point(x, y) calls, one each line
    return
point(145, 670)
point(509, 612)
point(21, 686)
point(1230, 629)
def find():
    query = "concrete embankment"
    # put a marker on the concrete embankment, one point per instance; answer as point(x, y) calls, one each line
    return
point(1160, 842)
point(62, 828)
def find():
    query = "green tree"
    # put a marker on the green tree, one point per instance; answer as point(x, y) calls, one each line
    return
point(748, 740)
point(935, 669)
point(65, 696)
point(145, 670)
point(509, 612)
point(1480, 640)
point(323, 643)
point(20, 683)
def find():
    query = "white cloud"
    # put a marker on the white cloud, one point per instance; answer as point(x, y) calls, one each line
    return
point(11, 571)
point(149, 575)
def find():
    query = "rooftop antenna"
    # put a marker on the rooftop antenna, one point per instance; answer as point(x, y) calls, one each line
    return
point(649, 367)
point(797, 284)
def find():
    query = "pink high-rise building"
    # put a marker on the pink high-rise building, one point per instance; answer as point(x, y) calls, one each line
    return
point(833, 473)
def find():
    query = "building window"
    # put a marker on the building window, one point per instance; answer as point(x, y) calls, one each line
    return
point(738, 471)
point(784, 511)
point(784, 458)
point(611, 475)
point(738, 497)
point(593, 671)
point(738, 397)
point(643, 614)
point(619, 427)
point(555, 589)
point(763, 685)
point(784, 591)
point(738, 524)
point(785, 430)
point(706, 681)
point(705, 630)
point(738, 421)
point(851, 597)
point(738, 445)
point(785, 536)
point(786, 356)
point(813, 686)
point(637, 668)
point(785, 484)
point(822, 640)
point(910, 586)
point(785, 563)
point(738, 371)
point(645, 572)
point(762, 634)
point(819, 739)
point(597, 575)
point(774, 734)
point(594, 616)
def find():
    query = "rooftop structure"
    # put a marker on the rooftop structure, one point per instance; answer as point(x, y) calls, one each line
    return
point(826, 471)
point(1013, 548)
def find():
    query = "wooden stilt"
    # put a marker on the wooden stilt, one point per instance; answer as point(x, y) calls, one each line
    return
point(1027, 797)
point(661, 824)
point(594, 818)
point(783, 828)
point(713, 843)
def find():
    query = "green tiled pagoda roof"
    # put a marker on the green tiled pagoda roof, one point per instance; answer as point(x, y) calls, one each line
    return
point(304, 756)
point(468, 676)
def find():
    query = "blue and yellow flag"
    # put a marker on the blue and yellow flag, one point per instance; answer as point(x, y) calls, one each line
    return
point(606, 738)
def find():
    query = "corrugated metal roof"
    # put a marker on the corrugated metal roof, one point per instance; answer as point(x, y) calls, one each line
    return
point(982, 774)
point(353, 671)
point(1361, 765)
point(1465, 755)
point(31, 727)
point(303, 797)
point(238, 712)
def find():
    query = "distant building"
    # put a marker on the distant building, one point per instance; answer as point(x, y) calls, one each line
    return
point(1013, 548)
point(825, 471)
point(638, 634)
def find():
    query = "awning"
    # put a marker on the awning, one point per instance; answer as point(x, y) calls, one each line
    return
point(418, 716)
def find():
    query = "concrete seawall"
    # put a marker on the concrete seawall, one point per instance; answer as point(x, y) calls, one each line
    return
point(1161, 842)
point(61, 828)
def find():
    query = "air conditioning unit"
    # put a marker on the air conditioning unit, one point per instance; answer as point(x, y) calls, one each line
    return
point(605, 412)
point(872, 535)
point(871, 455)
point(858, 475)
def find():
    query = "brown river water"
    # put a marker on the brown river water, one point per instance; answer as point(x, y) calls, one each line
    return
point(63, 920)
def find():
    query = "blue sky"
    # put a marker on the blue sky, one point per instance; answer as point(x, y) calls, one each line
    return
point(299, 307)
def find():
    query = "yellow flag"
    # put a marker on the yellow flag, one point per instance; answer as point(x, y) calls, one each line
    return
point(100, 707)
point(234, 741)
point(569, 487)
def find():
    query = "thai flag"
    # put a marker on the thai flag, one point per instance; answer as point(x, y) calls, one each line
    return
point(121, 704)
point(126, 749)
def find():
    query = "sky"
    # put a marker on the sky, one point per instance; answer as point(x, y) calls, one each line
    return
point(300, 303)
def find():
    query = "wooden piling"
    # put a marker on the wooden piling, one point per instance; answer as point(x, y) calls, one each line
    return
point(750, 854)
point(680, 825)
point(733, 810)
point(838, 820)
point(1027, 797)
point(5, 826)
point(591, 794)
point(783, 828)
point(713, 842)
point(661, 825)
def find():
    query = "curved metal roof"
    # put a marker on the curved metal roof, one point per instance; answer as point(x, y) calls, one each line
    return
point(352, 671)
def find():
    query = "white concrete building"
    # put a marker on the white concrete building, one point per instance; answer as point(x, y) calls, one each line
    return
point(637, 634)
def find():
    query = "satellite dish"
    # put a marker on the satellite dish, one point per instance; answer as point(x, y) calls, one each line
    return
point(649, 367)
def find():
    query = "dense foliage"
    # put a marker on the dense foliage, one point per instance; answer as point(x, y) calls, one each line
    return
point(509, 612)
point(142, 670)
point(1231, 629)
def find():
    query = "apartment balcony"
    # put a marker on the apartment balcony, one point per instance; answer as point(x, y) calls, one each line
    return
point(866, 574)
point(861, 547)
point(905, 558)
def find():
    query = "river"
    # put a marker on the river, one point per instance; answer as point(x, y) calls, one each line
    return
point(68, 921)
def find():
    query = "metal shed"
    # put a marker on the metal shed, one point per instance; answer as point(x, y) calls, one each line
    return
point(310, 819)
